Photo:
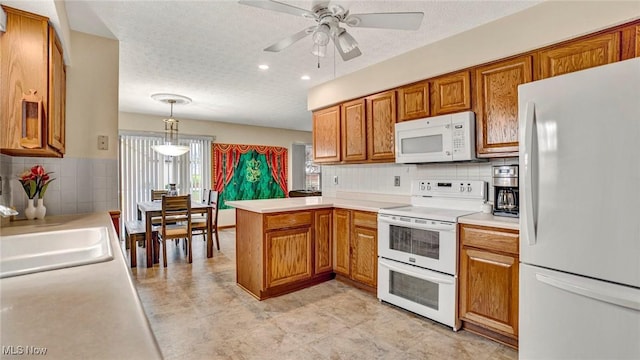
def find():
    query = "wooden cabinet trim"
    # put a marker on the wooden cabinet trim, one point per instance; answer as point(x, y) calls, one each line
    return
point(323, 244)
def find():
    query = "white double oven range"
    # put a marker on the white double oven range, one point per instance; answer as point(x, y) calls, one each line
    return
point(418, 247)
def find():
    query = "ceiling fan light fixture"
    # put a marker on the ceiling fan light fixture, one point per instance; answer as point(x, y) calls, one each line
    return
point(319, 50)
point(347, 42)
point(321, 35)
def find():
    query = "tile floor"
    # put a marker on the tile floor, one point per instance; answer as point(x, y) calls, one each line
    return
point(198, 312)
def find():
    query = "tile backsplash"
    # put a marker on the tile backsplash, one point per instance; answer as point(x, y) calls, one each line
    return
point(380, 178)
point(80, 185)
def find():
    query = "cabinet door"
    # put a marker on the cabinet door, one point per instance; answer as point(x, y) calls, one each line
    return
point(23, 67)
point(341, 241)
point(288, 256)
point(322, 241)
point(497, 95)
point(57, 93)
point(489, 290)
point(413, 101)
point(364, 256)
point(354, 131)
point(451, 93)
point(326, 135)
point(381, 119)
point(579, 55)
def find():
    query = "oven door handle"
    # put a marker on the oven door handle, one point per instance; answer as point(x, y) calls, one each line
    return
point(438, 226)
point(434, 279)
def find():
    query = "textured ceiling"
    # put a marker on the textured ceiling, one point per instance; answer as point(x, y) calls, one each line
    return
point(210, 52)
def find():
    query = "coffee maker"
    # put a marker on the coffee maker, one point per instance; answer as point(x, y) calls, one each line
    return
point(505, 187)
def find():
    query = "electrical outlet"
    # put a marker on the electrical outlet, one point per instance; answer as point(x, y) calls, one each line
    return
point(335, 180)
point(396, 181)
point(103, 142)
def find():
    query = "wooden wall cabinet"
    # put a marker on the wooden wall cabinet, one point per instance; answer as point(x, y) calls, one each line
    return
point(278, 253)
point(413, 101)
point(497, 105)
point(381, 119)
point(356, 246)
point(579, 55)
point(326, 135)
point(451, 93)
point(31, 58)
point(354, 130)
point(488, 286)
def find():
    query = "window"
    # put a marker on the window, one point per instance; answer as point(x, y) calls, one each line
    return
point(142, 169)
point(312, 171)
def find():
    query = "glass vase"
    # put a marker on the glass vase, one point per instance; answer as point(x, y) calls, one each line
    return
point(30, 210)
point(41, 210)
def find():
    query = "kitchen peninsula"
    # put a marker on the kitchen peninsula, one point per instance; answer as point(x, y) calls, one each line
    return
point(283, 245)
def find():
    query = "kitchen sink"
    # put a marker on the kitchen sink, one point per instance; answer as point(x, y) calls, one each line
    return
point(49, 250)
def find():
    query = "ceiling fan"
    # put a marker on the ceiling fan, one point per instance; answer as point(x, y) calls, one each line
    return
point(329, 17)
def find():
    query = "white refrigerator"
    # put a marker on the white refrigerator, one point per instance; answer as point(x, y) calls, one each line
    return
point(580, 215)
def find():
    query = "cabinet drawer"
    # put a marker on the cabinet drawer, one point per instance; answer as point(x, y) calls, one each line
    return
point(365, 219)
point(287, 220)
point(495, 239)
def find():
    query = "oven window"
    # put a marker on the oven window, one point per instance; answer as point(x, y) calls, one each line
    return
point(413, 289)
point(415, 241)
point(422, 145)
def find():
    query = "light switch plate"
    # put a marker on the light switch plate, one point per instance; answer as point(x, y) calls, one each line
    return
point(103, 142)
point(396, 181)
point(335, 180)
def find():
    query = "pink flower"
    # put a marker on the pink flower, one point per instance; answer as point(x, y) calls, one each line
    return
point(35, 181)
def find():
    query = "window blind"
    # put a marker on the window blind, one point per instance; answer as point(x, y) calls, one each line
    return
point(142, 169)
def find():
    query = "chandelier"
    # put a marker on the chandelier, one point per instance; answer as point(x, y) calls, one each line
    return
point(170, 147)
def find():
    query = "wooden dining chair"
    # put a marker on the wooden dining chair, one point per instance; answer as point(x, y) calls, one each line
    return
point(199, 226)
point(176, 223)
point(157, 194)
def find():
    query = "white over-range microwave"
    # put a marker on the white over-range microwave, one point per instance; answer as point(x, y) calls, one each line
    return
point(443, 138)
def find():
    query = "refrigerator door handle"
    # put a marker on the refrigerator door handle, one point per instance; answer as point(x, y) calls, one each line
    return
point(529, 223)
point(630, 301)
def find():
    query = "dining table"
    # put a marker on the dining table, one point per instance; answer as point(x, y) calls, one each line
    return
point(151, 209)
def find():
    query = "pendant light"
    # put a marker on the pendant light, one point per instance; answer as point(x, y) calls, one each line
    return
point(170, 146)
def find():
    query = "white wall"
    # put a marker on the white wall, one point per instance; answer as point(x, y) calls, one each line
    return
point(225, 133)
point(535, 27)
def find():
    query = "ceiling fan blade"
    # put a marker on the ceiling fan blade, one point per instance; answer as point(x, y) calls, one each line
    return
point(346, 56)
point(278, 6)
point(400, 21)
point(288, 41)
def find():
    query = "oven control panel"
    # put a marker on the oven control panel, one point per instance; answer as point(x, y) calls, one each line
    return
point(467, 189)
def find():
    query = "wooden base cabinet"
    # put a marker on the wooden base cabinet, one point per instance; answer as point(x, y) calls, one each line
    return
point(488, 293)
point(277, 253)
point(356, 246)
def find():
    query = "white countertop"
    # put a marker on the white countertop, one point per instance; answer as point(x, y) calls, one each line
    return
point(483, 219)
point(83, 312)
point(310, 202)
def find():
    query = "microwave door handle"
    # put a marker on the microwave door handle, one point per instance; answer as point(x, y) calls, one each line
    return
point(529, 222)
point(415, 274)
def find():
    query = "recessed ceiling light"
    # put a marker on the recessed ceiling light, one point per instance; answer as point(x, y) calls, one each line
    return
point(305, 77)
point(263, 67)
